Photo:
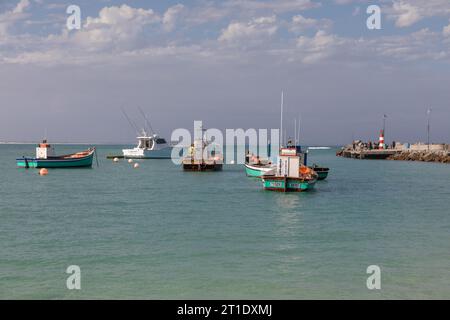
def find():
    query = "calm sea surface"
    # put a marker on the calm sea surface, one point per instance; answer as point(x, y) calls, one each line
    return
point(158, 232)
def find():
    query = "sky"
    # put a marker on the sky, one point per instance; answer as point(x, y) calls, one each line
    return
point(225, 63)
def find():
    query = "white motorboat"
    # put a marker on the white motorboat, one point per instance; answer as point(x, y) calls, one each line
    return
point(149, 147)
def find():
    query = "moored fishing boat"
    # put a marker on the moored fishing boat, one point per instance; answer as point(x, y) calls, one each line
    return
point(258, 170)
point(203, 155)
point(290, 175)
point(46, 158)
point(322, 172)
point(255, 166)
point(288, 184)
point(149, 147)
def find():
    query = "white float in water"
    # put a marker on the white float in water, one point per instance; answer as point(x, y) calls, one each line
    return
point(116, 160)
point(136, 165)
point(130, 160)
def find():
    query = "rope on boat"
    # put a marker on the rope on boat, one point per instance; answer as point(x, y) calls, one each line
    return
point(96, 158)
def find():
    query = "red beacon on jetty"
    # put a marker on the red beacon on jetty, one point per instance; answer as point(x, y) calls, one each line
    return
point(381, 145)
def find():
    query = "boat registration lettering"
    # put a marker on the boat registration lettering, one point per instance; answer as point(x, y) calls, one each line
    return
point(275, 184)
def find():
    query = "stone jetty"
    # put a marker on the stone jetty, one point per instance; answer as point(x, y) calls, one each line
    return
point(404, 152)
point(425, 156)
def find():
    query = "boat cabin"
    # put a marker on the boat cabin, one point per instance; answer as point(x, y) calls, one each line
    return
point(289, 163)
point(44, 150)
point(150, 143)
point(145, 142)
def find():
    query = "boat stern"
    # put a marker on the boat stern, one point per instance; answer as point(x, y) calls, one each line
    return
point(26, 163)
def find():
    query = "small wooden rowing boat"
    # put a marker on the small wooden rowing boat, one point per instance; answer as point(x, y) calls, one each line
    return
point(322, 172)
point(257, 167)
point(45, 158)
point(258, 170)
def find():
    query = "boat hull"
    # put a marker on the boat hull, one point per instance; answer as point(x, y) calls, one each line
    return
point(321, 172)
point(322, 175)
point(202, 167)
point(38, 163)
point(257, 171)
point(165, 153)
point(287, 184)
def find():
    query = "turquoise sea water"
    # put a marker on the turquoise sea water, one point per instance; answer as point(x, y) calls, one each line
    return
point(157, 232)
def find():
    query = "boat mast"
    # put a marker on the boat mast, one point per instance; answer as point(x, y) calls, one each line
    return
point(203, 144)
point(281, 124)
point(295, 132)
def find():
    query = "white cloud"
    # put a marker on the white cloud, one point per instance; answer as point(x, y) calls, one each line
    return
point(115, 27)
point(124, 31)
point(9, 18)
point(258, 28)
point(171, 15)
point(299, 23)
point(406, 14)
point(446, 31)
point(318, 47)
point(421, 45)
point(204, 14)
point(21, 6)
point(277, 6)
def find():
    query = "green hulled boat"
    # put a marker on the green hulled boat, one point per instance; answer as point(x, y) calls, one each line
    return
point(288, 184)
point(257, 167)
point(290, 174)
point(45, 158)
point(258, 170)
point(322, 172)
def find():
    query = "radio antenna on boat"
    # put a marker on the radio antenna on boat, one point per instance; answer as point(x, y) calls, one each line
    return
point(295, 132)
point(146, 120)
point(281, 124)
point(132, 124)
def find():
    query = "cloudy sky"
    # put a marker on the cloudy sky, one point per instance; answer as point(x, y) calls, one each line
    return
point(224, 62)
